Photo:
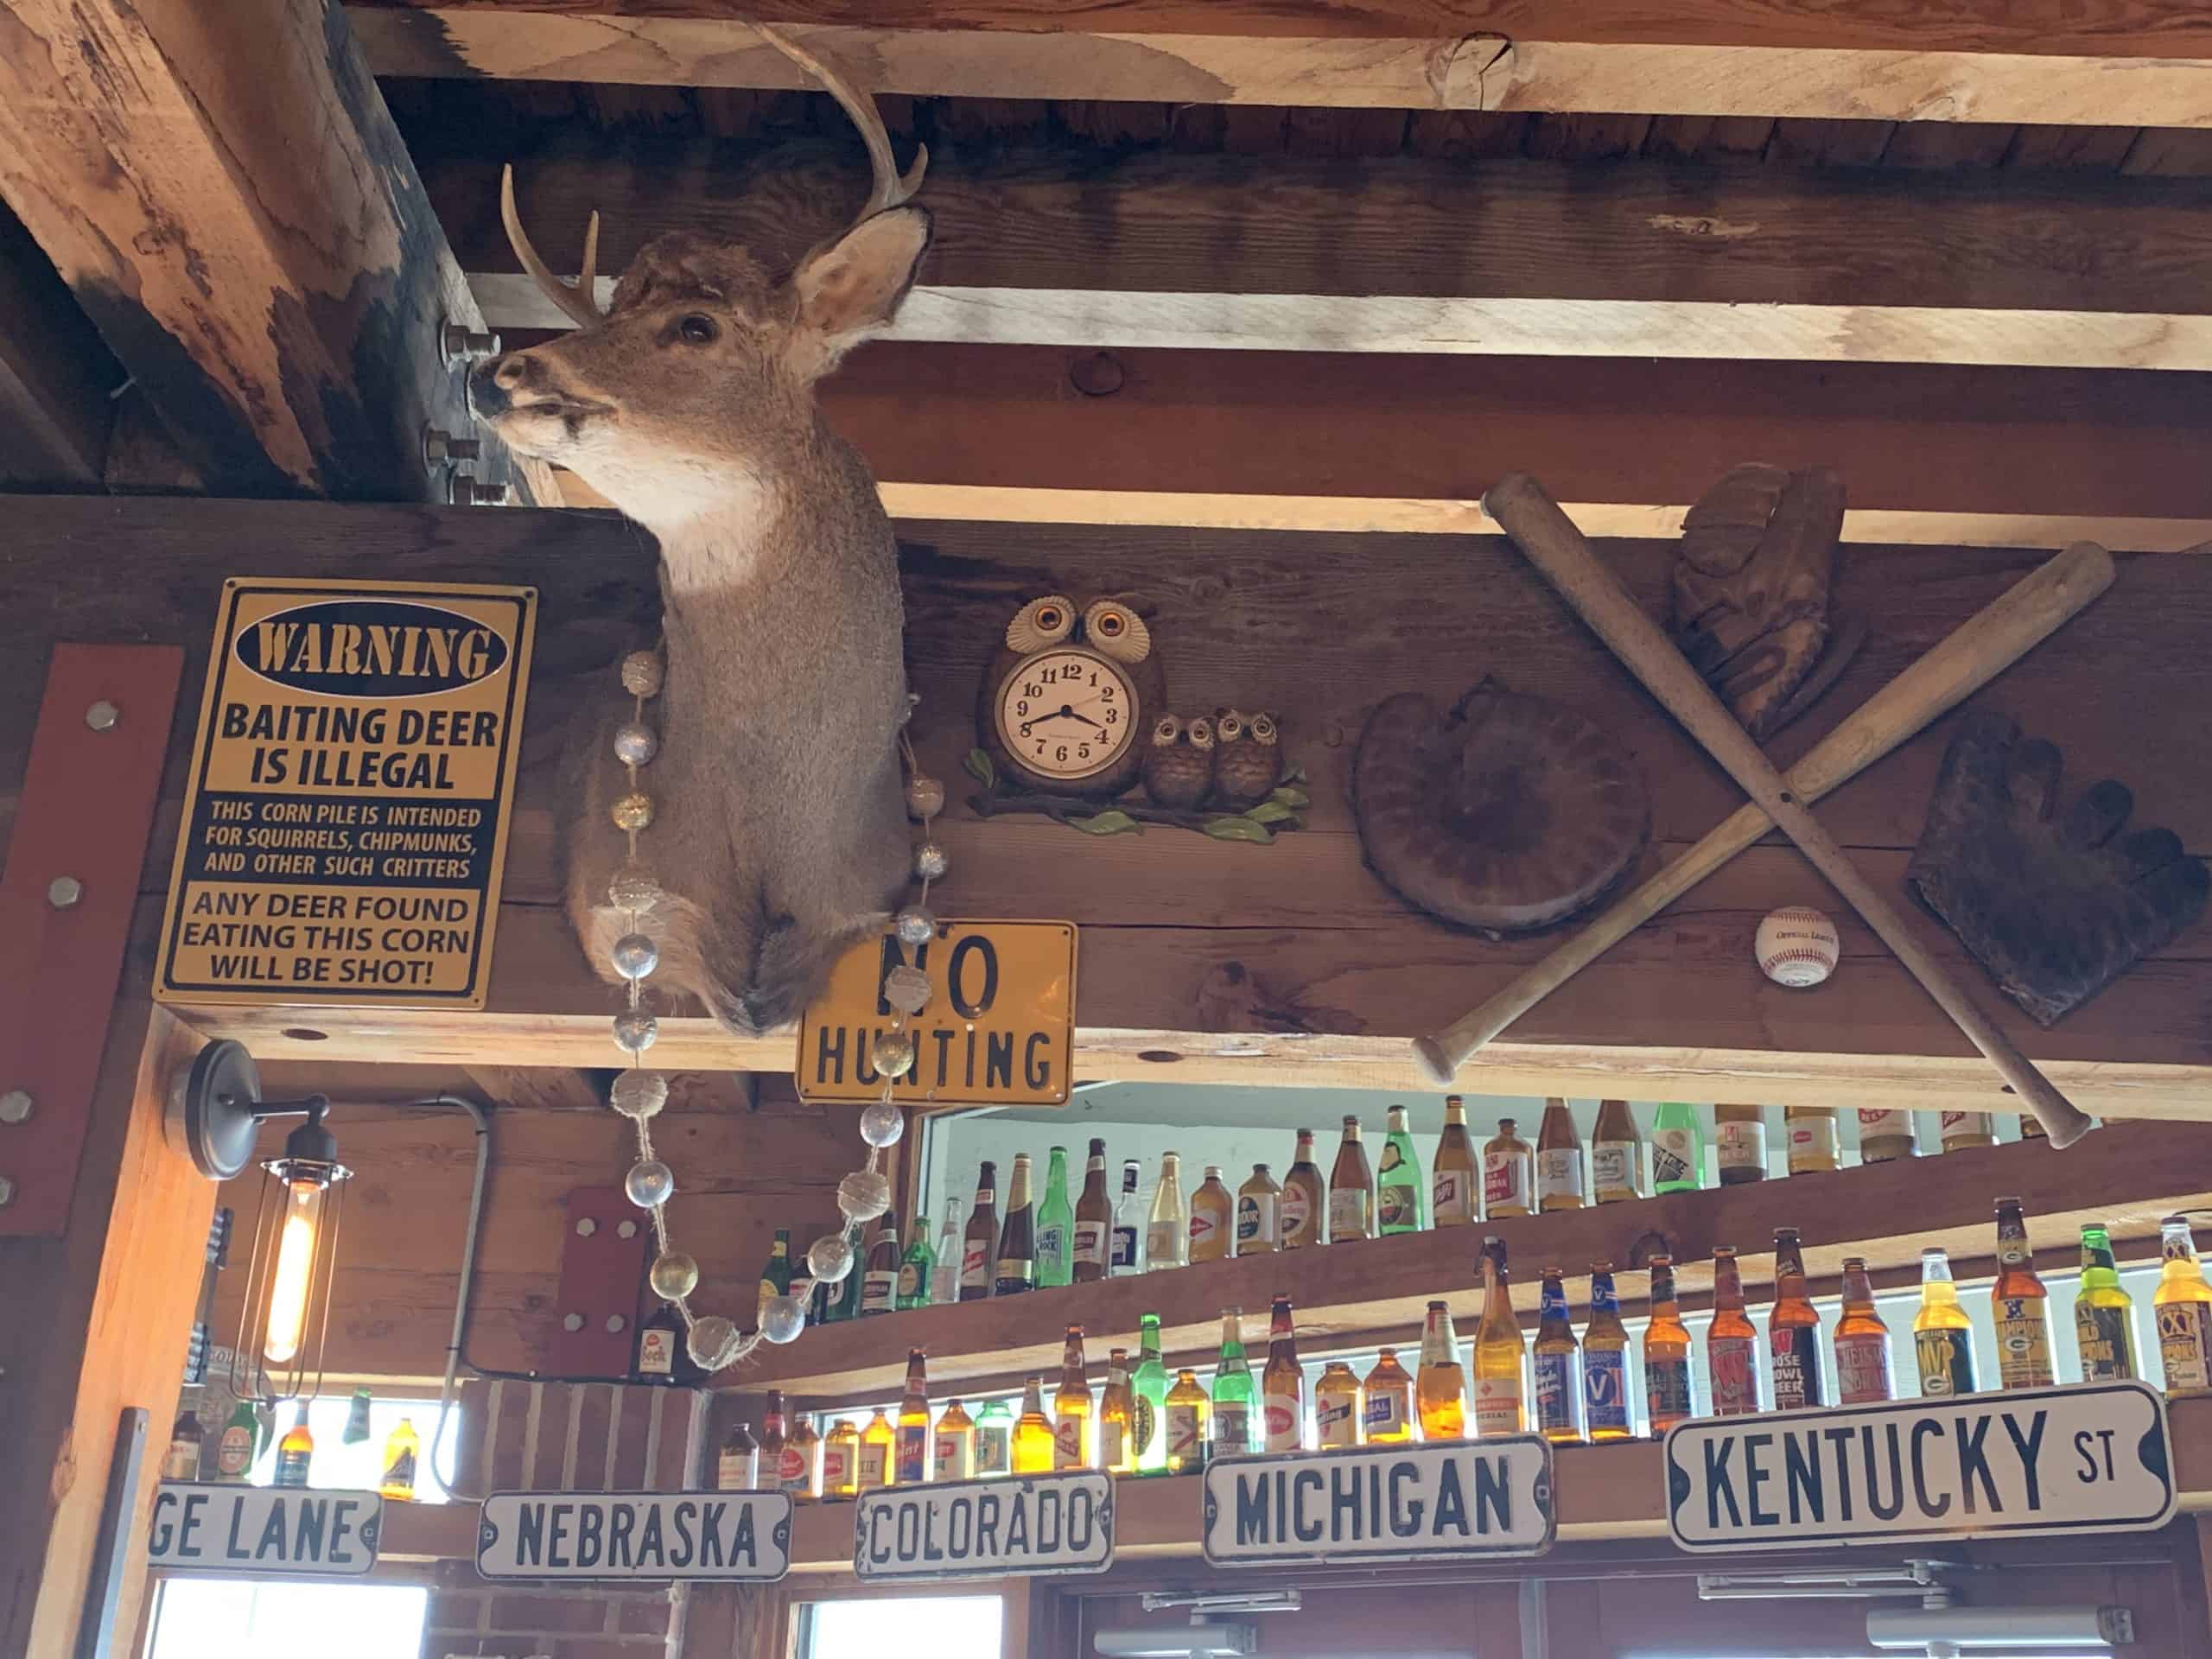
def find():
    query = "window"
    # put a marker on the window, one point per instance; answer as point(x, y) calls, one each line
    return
point(242, 1618)
point(868, 1628)
point(358, 1466)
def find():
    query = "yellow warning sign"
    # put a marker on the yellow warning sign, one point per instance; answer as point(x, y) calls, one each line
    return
point(999, 1028)
point(346, 823)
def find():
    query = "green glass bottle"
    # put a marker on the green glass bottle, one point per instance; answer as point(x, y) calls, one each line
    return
point(1235, 1401)
point(1149, 1385)
point(1056, 1226)
point(916, 1267)
point(995, 1440)
point(2104, 1314)
point(1399, 1198)
point(1677, 1149)
point(775, 1275)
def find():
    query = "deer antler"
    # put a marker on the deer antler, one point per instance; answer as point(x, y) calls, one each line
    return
point(580, 303)
point(891, 189)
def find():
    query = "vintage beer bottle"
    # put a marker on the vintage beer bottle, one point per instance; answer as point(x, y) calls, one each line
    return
point(1813, 1143)
point(2032, 1126)
point(1508, 1174)
point(1884, 1137)
point(1056, 1226)
point(910, 1448)
point(234, 1448)
point(1862, 1342)
point(878, 1443)
point(1351, 1190)
point(1235, 1414)
point(915, 1267)
point(1554, 1366)
point(2183, 1308)
point(1125, 1253)
point(2104, 1314)
point(1604, 1361)
point(402, 1447)
point(295, 1452)
point(1094, 1220)
point(1186, 1424)
point(1666, 1353)
point(776, 1276)
point(1336, 1407)
point(1452, 1180)
point(1441, 1382)
point(2021, 1306)
point(800, 1466)
point(952, 1447)
point(1149, 1385)
point(1616, 1156)
point(1033, 1442)
point(1942, 1340)
point(1731, 1344)
point(1399, 1201)
point(660, 1339)
point(1071, 1408)
point(1388, 1391)
point(186, 1441)
point(945, 1270)
point(1167, 1235)
point(1257, 1203)
point(737, 1464)
point(841, 1460)
point(1117, 1429)
point(1558, 1159)
point(1501, 1353)
point(982, 1239)
point(993, 1440)
point(1303, 1216)
point(1740, 1143)
point(1282, 1384)
point(775, 1435)
point(1793, 1330)
point(1963, 1129)
point(1677, 1148)
point(845, 1304)
point(1016, 1270)
point(1213, 1218)
point(880, 1280)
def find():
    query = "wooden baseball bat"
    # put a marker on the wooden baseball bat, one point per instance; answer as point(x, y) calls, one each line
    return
point(1995, 637)
point(1553, 544)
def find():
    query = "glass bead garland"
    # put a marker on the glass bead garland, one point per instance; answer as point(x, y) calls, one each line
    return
point(713, 1342)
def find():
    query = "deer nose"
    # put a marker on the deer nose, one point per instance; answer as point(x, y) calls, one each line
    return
point(492, 384)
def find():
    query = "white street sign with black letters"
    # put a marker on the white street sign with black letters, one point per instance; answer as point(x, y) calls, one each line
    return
point(2085, 1460)
point(226, 1527)
point(1032, 1525)
point(657, 1537)
point(1441, 1501)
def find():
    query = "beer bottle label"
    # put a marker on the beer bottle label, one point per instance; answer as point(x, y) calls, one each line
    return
point(1205, 1231)
point(1255, 1221)
point(1498, 1405)
point(994, 1448)
point(836, 1466)
point(1672, 1151)
point(1017, 1268)
point(1294, 1213)
point(1502, 1182)
point(1559, 1173)
point(292, 1468)
point(1742, 1146)
point(1811, 1136)
point(1604, 1389)
point(1946, 1361)
point(656, 1352)
point(913, 1453)
point(400, 1471)
point(1862, 1369)
point(2185, 1345)
point(182, 1463)
point(791, 1468)
point(1091, 1244)
point(874, 1467)
point(1286, 1424)
point(1348, 1213)
point(1052, 1245)
point(1667, 1392)
point(732, 1472)
point(910, 1280)
point(1125, 1248)
point(1794, 1352)
point(1386, 1412)
point(1734, 1376)
point(1448, 1195)
point(2108, 1344)
point(1398, 1206)
point(878, 1286)
point(950, 1453)
point(1232, 1426)
point(1892, 1122)
point(1160, 1244)
point(1067, 1443)
point(2023, 1343)
point(1959, 1125)
point(1113, 1446)
point(974, 1266)
point(1612, 1165)
point(1554, 1391)
point(1185, 1435)
point(1336, 1419)
point(234, 1451)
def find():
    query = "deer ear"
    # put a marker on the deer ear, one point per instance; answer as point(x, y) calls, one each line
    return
point(851, 288)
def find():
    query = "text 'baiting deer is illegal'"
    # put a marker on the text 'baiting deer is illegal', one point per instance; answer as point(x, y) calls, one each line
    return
point(779, 832)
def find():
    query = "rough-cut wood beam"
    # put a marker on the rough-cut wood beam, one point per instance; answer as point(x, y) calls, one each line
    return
point(223, 190)
point(1992, 71)
point(55, 376)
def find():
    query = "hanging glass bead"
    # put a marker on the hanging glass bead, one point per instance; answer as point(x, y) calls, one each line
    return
point(635, 956)
point(635, 743)
point(829, 1258)
point(712, 1343)
point(783, 1318)
point(892, 1054)
point(932, 860)
point(674, 1275)
point(906, 988)
point(924, 798)
point(864, 1195)
point(633, 811)
point(636, 1030)
point(649, 1184)
point(634, 888)
point(638, 1094)
point(644, 674)
point(882, 1123)
point(915, 926)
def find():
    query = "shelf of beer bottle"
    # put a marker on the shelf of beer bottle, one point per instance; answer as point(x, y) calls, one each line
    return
point(1371, 1290)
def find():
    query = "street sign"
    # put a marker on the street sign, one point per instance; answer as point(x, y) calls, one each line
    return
point(656, 1536)
point(225, 1527)
point(1033, 1526)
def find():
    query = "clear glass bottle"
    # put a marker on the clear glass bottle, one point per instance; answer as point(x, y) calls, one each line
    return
point(2104, 1314)
point(1666, 1354)
point(1615, 1154)
point(993, 1440)
point(1126, 1248)
point(1677, 1148)
point(1117, 1432)
point(1033, 1432)
point(1739, 1141)
point(1235, 1400)
point(1073, 1407)
point(1213, 1218)
point(1604, 1361)
point(1187, 1410)
point(1731, 1344)
point(1862, 1343)
point(1389, 1392)
point(1440, 1384)
point(1942, 1338)
point(1884, 1137)
point(1258, 1202)
point(1556, 1361)
point(1282, 1384)
point(1351, 1190)
point(1150, 1387)
point(1793, 1330)
point(2183, 1307)
point(1501, 1353)
point(944, 1272)
point(1508, 1174)
point(1336, 1407)
point(1094, 1220)
point(1813, 1146)
point(952, 1449)
point(1963, 1129)
point(1167, 1235)
point(1056, 1226)
point(1558, 1159)
point(2020, 1305)
point(1400, 1203)
point(1453, 1180)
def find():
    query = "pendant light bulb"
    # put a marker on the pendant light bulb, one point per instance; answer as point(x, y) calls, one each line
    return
point(294, 1276)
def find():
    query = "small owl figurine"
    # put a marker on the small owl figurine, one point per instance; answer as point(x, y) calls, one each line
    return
point(1247, 758)
point(1178, 761)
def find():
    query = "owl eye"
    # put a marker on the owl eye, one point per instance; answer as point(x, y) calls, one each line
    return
point(1229, 725)
point(1167, 729)
point(1201, 731)
point(1040, 623)
point(1118, 630)
point(1263, 728)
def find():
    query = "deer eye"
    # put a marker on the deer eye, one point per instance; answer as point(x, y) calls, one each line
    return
point(699, 329)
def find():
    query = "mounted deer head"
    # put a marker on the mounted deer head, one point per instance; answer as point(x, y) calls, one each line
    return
point(690, 404)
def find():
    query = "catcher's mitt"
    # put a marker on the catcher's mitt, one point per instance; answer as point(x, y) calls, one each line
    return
point(1751, 590)
point(2056, 905)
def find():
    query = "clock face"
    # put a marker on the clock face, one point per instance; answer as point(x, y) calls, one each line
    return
point(1067, 714)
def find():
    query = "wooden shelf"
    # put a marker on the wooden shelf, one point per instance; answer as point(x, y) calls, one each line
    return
point(2127, 1176)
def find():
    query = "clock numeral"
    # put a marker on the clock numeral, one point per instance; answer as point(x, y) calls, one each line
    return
point(1040, 746)
point(1033, 690)
point(1060, 754)
point(1083, 752)
point(1113, 716)
point(1106, 693)
point(1021, 708)
point(1050, 676)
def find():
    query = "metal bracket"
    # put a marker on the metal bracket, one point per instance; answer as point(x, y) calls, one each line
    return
point(602, 1263)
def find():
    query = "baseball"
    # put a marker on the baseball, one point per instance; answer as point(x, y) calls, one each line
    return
point(1797, 946)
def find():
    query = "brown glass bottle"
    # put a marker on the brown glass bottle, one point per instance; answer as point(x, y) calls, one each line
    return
point(2021, 1305)
point(1560, 1185)
point(1965, 1130)
point(1793, 1330)
point(1509, 1174)
point(982, 1237)
point(1258, 1203)
point(1740, 1143)
point(1666, 1353)
point(1616, 1156)
point(1282, 1384)
point(1862, 1342)
point(880, 1276)
point(1732, 1345)
point(1094, 1219)
point(1304, 1216)
point(1016, 1268)
point(1812, 1133)
point(1351, 1190)
point(1885, 1135)
point(1452, 1181)
point(775, 1434)
point(1214, 1219)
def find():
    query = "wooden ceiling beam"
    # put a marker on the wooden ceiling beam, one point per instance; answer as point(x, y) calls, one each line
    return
point(2146, 62)
point(222, 190)
point(55, 376)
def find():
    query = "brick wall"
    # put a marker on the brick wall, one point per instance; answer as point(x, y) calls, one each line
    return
point(577, 1437)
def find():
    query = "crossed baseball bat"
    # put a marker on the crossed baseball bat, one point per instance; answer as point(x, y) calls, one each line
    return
point(2007, 630)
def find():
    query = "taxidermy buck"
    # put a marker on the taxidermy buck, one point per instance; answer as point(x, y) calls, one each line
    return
point(780, 831)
